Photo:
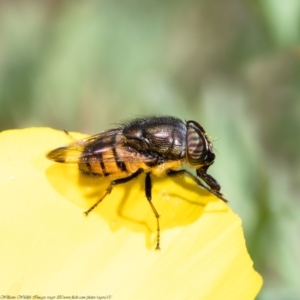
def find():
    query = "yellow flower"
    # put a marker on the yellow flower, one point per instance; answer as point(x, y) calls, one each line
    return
point(50, 249)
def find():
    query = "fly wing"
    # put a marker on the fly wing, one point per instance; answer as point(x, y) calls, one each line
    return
point(93, 146)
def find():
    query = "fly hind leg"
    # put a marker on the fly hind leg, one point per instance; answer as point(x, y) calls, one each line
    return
point(69, 135)
point(110, 187)
point(148, 191)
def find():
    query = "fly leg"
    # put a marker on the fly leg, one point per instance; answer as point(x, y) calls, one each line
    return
point(148, 191)
point(69, 135)
point(112, 184)
point(185, 172)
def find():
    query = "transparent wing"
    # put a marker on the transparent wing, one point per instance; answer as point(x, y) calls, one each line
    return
point(107, 146)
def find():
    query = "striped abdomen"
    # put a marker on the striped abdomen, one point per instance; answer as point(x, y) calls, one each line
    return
point(103, 164)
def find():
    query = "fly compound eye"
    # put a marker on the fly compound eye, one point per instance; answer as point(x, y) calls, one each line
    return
point(199, 150)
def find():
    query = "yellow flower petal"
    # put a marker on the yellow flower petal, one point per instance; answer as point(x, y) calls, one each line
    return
point(49, 248)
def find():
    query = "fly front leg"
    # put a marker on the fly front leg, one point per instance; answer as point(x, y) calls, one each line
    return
point(192, 176)
point(112, 184)
point(148, 191)
point(175, 173)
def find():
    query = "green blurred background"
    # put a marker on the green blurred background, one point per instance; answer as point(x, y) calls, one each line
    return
point(234, 66)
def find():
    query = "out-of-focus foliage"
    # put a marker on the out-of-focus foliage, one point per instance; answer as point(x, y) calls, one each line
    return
point(231, 65)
